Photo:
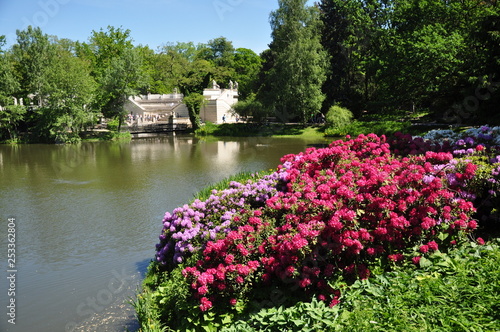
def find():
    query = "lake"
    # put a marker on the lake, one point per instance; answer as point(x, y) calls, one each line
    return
point(87, 218)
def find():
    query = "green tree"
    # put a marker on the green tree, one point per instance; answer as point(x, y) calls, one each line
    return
point(68, 95)
point(194, 102)
point(172, 64)
point(103, 47)
point(247, 65)
point(345, 36)
point(197, 77)
point(10, 115)
point(117, 67)
point(121, 79)
point(299, 62)
point(251, 107)
point(220, 53)
point(8, 81)
point(406, 54)
point(33, 56)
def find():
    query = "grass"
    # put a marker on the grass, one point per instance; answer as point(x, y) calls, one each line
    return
point(380, 124)
point(255, 129)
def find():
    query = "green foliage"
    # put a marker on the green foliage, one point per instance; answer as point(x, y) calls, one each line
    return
point(10, 117)
point(358, 127)
point(411, 53)
point(314, 316)
point(112, 125)
point(297, 63)
point(457, 291)
point(33, 55)
point(378, 123)
point(251, 107)
point(194, 102)
point(454, 291)
point(338, 117)
point(247, 65)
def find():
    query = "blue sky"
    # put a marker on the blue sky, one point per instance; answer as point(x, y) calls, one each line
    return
point(151, 22)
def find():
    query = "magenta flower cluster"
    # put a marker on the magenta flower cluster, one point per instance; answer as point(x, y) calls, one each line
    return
point(343, 208)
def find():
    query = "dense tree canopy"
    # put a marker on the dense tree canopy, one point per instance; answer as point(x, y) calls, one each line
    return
point(366, 55)
point(411, 54)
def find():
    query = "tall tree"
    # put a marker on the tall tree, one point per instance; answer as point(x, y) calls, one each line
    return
point(121, 79)
point(68, 96)
point(220, 53)
point(247, 65)
point(8, 81)
point(34, 55)
point(172, 64)
point(337, 27)
point(299, 61)
point(117, 67)
point(194, 102)
point(10, 115)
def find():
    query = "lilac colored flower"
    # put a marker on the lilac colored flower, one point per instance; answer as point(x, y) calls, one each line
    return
point(428, 179)
point(188, 228)
point(452, 179)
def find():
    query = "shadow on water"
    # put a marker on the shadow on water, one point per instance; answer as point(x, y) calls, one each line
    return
point(142, 267)
point(131, 324)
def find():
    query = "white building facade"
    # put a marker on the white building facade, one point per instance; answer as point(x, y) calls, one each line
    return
point(150, 108)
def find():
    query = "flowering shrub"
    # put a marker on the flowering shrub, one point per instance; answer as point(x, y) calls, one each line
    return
point(188, 228)
point(480, 146)
point(343, 208)
point(352, 203)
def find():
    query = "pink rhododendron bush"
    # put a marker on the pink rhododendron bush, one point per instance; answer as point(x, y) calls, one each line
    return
point(337, 213)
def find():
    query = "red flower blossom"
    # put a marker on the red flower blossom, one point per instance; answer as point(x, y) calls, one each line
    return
point(424, 248)
point(205, 304)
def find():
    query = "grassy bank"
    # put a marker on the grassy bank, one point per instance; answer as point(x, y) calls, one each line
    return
point(267, 130)
point(380, 124)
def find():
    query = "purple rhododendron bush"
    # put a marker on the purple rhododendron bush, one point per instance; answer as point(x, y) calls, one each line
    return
point(342, 212)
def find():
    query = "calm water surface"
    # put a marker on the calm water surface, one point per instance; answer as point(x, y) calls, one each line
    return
point(88, 217)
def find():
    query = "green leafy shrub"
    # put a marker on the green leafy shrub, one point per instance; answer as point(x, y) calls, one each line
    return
point(303, 316)
point(251, 107)
point(455, 291)
point(337, 226)
point(112, 125)
point(338, 117)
